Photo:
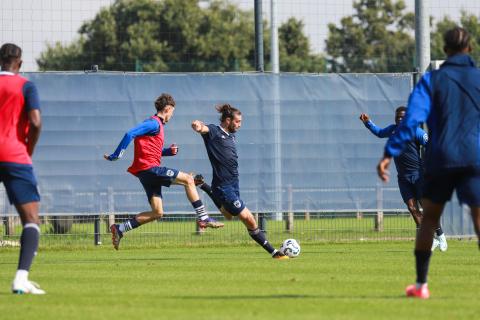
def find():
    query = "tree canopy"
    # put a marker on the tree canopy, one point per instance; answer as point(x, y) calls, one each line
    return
point(176, 35)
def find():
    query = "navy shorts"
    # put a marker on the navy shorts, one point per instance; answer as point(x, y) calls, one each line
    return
point(229, 196)
point(410, 187)
point(439, 188)
point(19, 182)
point(155, 178)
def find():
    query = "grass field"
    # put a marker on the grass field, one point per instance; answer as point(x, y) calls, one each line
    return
point(362, 280)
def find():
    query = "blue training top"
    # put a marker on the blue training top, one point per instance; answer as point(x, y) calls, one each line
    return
point(222, 152)
point(147, 127)
point(409, 162)
point(449, 100)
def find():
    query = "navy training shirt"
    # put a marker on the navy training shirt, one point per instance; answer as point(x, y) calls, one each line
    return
point(409, 162)
point(222, 152)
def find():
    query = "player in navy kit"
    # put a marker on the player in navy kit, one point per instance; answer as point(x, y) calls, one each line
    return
point(409, 169)
point(222, 151)
point(448, 99)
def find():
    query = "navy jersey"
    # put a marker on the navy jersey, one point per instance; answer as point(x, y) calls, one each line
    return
point(449, 100)
point(409, 162)
point(222, 152)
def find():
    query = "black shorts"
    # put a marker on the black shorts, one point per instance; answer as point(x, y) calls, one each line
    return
point(439, 187)
point(155, 178)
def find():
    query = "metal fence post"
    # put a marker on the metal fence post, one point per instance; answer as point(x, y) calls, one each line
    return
point(262, 222)
point(379, 215)
point(289, 223)
point(96, 233)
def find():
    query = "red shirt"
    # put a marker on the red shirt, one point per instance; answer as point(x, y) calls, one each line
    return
point(14, 122)
point(148, 150)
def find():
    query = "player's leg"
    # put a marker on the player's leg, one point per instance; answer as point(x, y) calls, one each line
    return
point(475, 212)
point(21, 187)
point(203, 219)
point(413, 208)
point(423, 244)
point(118, 230)
point(199, 181)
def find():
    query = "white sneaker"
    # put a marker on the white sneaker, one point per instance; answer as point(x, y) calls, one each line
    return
point(442, 242)
point(435, 243)
point(26, 287)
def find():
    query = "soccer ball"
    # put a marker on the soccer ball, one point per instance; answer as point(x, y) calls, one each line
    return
point(291, 248)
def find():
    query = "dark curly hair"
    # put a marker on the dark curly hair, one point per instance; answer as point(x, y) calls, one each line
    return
point(164, 100)
point(9, 52)
point(227, 111)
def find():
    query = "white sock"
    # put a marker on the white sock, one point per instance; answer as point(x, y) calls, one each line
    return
point(21, 276)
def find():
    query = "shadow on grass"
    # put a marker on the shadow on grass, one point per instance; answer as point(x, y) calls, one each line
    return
point(286, 296)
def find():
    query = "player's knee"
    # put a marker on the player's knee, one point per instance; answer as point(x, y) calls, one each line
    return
point(189, 180)
point(157, 214)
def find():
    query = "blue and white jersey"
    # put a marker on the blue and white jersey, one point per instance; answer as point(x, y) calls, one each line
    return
point(449, 100)
point(222, 152)
point(409, 162)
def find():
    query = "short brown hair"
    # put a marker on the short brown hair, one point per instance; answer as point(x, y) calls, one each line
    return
point(9, 52)
point(227, 111)
point(456, 39)
point(164, 100)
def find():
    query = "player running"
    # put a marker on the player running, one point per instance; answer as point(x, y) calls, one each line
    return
point(20, 126)
point(149, 141)
point(449, 100)
point(409, 169)
point(222, 151)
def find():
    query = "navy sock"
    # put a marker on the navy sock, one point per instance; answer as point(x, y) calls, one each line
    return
point(439, 231)
point(128, 225)
point(260, 238)
point(28, 245)
point(422, 259)
point(208, 190)
point(200, 210)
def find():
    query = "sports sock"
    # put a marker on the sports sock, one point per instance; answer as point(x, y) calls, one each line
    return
point(422, 259)
point(439, 231)
point(260, 238)
point(128, 225)
point(29, 245)
point(208, 190)
point(200, 210)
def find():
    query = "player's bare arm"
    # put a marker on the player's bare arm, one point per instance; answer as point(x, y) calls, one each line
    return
point(200, 127)
point(35, 121)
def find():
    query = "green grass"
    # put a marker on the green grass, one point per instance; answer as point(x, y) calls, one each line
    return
point(362, 280)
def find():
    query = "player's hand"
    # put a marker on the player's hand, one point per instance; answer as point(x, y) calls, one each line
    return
point(174, 149)
point(364, 117)
point(382, 168)
point(197, 125)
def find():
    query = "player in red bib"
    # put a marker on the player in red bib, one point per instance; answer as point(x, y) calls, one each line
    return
point(20, 125)
point(146, 166)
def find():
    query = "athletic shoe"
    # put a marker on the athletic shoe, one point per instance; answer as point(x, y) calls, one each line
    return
point(26, 287)
point(209, 223)
point(422, 293)
point(442, 242)
point(435, 243)
point(279, 255)
point(116, 235)
point(198, 180)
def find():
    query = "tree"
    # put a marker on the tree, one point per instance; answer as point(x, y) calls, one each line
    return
point(174, 35)
point(376, 38)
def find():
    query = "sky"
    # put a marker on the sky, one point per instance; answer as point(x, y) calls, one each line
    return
point(34, 23)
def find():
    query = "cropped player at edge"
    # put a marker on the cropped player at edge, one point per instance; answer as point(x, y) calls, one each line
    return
point(20, 126)
point(225, 192)
point(149, 141)
point(448, 99)
point(409, 170)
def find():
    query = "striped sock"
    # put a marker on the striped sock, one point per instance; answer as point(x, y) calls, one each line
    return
point(200, 210)
point(128, 225)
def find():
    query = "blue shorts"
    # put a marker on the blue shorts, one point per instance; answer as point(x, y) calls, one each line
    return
point(19, 182)
point(229, 196)
point(410, 187)
point(155, 178)
point(439, 188)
